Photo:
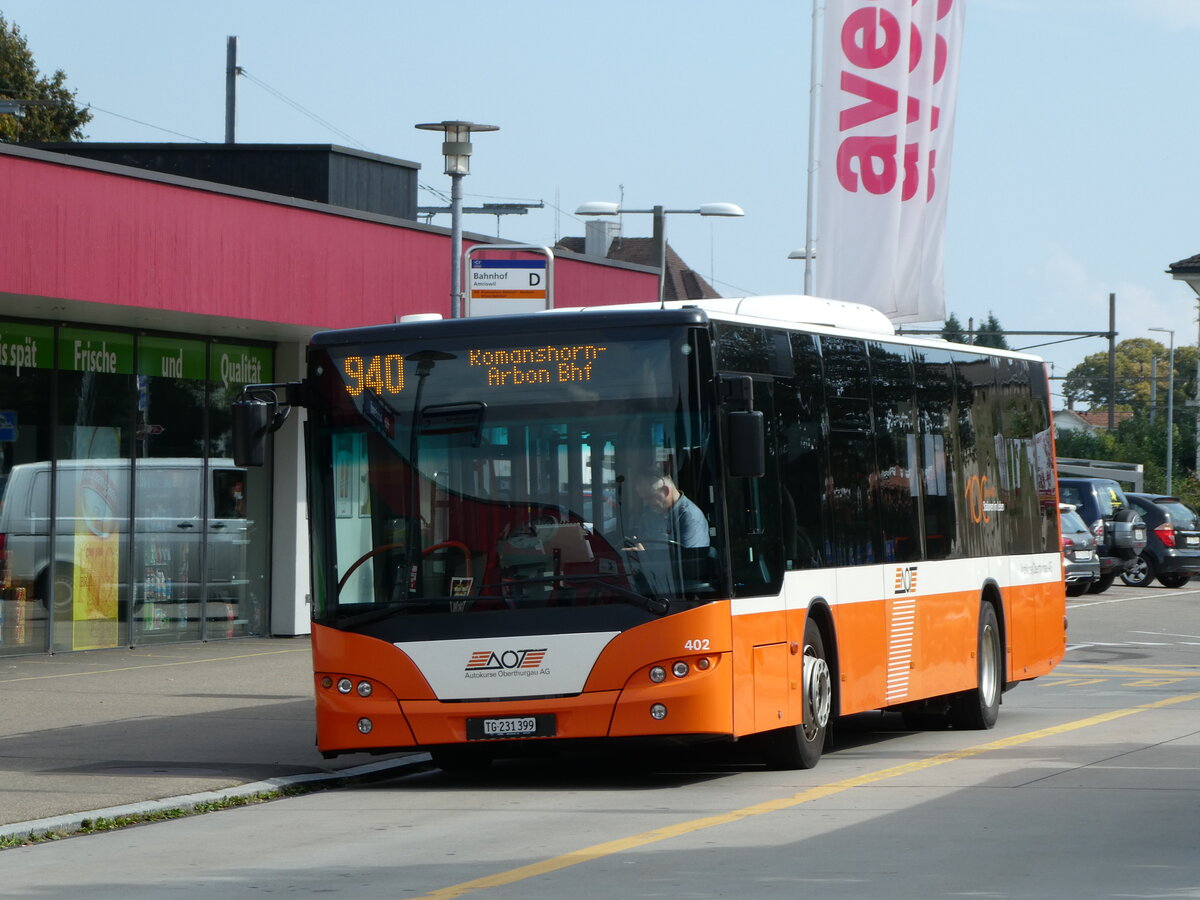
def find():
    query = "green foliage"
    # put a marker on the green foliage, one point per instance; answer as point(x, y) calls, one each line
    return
point(103, 823)
point(1187, 488)
point(1087, 385)
point(991, 334)
point(1136, 440)
point(61, 120)
point(953, 331)
point(1085, 445)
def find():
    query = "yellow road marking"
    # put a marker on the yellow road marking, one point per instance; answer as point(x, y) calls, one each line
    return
point(608, 848)
point(1167, 671)
point(181, 662)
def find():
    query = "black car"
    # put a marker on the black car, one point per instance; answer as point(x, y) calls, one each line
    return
point(1120, 532)
point(1081, 565)
point(1172, 553)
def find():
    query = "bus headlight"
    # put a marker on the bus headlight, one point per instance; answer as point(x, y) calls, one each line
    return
point(680, 669)
point(658, 674)
point(364, 689)
point(365, 725)
point(345, 685)
point(658, 711)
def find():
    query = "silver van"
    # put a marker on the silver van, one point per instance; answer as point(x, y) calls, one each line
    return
point(180, 533)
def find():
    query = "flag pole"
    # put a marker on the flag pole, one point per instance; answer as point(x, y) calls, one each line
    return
point(813, 87)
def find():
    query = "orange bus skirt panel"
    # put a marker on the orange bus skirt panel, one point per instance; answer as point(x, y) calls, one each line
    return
point(700, 702)
point(694, 632)
point(339, 715)
point(769, 662)
point(356, 654)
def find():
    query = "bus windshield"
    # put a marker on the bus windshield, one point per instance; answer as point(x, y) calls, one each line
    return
point(510, 473)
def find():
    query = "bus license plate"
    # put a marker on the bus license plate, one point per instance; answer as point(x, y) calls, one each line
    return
point(509, 727)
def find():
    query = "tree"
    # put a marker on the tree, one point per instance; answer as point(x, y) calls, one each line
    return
point(1138, 439)
point(953, 331)
point(1087, 383)
point(60, 119)
point(991, 334)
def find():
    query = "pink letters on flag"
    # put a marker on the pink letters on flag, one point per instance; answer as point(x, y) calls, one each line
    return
point(888, 91)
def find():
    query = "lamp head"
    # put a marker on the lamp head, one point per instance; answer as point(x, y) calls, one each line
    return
point(456, 148)
point(721, 209)
point(598, 208)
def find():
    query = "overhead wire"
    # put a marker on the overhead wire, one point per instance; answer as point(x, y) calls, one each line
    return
point(301, 109)
point(109, 112)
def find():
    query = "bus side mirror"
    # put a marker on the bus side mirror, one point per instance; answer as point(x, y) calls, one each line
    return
point(252, 420)
point(747, 444)
point(257, 411)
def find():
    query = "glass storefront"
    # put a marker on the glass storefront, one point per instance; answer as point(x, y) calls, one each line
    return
point(122, 520)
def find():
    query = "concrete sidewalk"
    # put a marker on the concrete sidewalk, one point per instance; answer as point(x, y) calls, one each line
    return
point(87, 732)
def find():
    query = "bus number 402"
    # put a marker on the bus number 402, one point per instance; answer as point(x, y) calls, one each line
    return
point(697, 644)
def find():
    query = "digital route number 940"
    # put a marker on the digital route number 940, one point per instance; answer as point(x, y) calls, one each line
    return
point(382, 374)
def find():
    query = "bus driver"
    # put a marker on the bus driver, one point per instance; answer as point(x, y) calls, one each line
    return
point(667, 515)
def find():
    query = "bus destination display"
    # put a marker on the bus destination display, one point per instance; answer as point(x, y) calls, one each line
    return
point(384, 374)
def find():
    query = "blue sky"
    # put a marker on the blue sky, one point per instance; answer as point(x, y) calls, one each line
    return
point(1074, 172)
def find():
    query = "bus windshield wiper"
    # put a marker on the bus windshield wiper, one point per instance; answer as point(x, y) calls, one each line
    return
point(657, 605)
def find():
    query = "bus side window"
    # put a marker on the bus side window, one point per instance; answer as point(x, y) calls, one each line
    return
point(756, 547)
point(854, 508)
point(801, 458)
point(895, 451)
point(935, 409)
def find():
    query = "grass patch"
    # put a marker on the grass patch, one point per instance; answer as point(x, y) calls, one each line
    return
point(104, 823)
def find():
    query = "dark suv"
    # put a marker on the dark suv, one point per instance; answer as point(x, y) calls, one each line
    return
point(1119, 530)
point(1172, 553)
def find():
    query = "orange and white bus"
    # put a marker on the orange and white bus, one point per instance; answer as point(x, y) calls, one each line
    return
point(506, 550)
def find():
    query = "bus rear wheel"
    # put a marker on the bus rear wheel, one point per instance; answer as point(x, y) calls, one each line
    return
point(800, 746)
point(978, 709)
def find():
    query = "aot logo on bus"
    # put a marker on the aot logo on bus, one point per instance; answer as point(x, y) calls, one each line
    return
point(906, 580)
point(508, 659)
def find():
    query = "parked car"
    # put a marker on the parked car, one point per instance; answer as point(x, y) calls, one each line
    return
point(1081, 563)
point(1119, 531)
point(169, 523)
point(1172, 553)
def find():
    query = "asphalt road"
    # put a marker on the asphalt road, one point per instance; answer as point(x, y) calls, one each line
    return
point(1089, 786)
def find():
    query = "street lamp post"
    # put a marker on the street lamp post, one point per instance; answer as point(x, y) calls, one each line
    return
point(808, 255)
point(604, 208)
point(456, 148)
point(1170, 404)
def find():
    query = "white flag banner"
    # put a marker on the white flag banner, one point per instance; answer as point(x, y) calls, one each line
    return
point(889, 84)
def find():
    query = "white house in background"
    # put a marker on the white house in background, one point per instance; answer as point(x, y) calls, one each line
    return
point(1090, 422)
point(1069, 420)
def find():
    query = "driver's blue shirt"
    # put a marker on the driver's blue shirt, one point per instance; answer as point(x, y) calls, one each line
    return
point(683, 523)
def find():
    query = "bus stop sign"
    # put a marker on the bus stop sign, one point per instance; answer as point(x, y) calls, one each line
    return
point(499, 287)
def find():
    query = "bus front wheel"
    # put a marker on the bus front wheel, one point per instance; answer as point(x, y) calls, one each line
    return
point(800, 746)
